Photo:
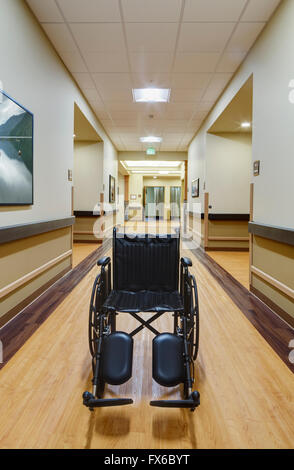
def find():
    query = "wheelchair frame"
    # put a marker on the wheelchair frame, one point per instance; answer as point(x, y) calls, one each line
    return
point(102, 323)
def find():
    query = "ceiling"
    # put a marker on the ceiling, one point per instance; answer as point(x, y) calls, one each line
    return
point(239, 110)
point(191, 46)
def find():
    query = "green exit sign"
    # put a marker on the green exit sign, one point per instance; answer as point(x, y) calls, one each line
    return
point(150, 151)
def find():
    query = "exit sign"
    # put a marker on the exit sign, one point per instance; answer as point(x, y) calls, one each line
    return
point(150, 151)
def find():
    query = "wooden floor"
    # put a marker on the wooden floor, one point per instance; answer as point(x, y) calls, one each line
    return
point(235, 262)
point(81, 250)
point(247, 392)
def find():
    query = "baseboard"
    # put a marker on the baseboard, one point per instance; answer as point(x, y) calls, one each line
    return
point(24, 303)
point(273, 306)
point(97, 241)
point(219, 248)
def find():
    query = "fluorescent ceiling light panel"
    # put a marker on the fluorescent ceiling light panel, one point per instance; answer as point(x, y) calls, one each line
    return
point(150, 139)
point(151, 95)
point(148, 163)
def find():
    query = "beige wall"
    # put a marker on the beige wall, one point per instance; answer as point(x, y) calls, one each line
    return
point(273, 120)
point(32, 74)
point(22, 257)
point(88, 175)
point(228, 172)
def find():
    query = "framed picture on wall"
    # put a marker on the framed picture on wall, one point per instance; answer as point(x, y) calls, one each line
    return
point(111, 189)
point(195, 188)
point(16, 153)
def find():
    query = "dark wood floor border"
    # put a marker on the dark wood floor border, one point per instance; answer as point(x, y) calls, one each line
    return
point(17, 232)
point(15, 333)
point(211, 216)
point(274, 330)
point(278, 234)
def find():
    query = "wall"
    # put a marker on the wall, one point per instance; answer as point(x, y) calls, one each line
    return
point(270, 63)
point(32, 74)
point(87, 175)
point(273, 119)
point(228, 172)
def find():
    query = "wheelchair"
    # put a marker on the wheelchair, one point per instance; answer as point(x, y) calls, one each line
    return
point(146, 272)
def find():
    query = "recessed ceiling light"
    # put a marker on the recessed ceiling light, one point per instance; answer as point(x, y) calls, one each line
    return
point(151, 95)
point(150, 139)
point(163, 172)
point(74, 136)
point(245, 125)
point(155, 177)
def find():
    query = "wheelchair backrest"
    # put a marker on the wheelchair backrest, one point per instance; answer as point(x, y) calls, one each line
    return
point(141, 262)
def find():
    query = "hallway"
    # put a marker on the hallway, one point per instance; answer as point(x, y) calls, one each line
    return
point(247, 393)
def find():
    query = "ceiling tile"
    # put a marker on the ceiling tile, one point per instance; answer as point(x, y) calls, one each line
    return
point(204, 37)
point(180, 111)
point(84, 80)
point(93, 97)
point(152, 10)
point(179, 95)
point(204, 105)
point(213, 10)
point(230, 61)
point(151, 79)
point(106, 62)
point(190, 80)
point(110, 81)
point(217, 85)
point(123, 115)
point(193, 62)
point(160, 62)
point(99, 37)
point(200, 115)
point(73, 61)
point(60, 37)
point(244, 36)
point(260, 10)
point(151, 37)
point(113, 94)
point(46, 10)
point(90, 10)
point(125, 123)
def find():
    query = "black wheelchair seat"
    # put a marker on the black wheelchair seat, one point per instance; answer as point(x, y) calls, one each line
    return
point(144, 301)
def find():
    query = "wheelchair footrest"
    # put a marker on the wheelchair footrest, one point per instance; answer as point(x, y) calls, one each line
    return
point(91, 402)
point(191, 402)
point(168, 360)
point(117, 358)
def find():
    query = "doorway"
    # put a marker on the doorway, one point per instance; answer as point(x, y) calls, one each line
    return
point(175, 202)
point(154, 201)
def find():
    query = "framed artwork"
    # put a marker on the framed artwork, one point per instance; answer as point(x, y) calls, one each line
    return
point(195, 188)
point(111, 189)
point(16, 153)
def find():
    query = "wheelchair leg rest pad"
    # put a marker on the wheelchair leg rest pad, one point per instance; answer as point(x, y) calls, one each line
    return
point(168, 359)
point(117, 358)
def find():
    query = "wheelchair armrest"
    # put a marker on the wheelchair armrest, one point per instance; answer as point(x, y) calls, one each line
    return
point(103, 261)
point(186, 262)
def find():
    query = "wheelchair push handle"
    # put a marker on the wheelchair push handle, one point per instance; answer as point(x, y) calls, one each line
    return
point(186, 262)
point(103, 261)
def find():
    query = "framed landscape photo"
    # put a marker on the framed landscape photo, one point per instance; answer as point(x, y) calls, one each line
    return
point(16, 153)
point(111, 189)
point(195, 188)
